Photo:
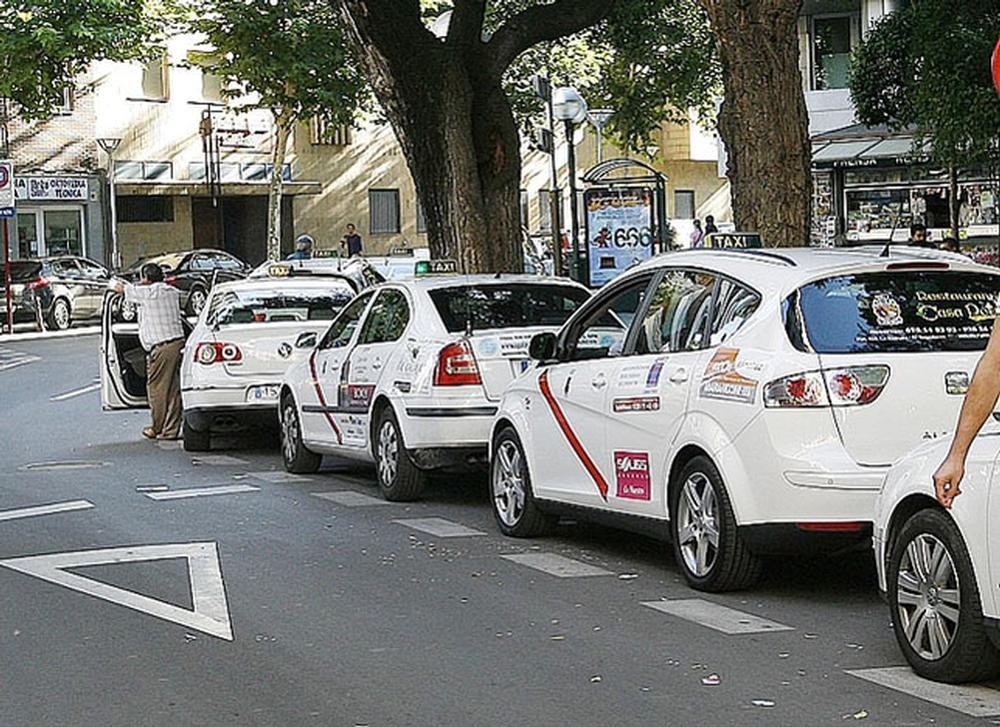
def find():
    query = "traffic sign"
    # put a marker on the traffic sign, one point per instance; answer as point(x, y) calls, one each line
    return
point(6, 186)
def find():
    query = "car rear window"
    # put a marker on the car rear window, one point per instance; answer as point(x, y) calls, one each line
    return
point(895, 311)
point(506, 306)
point(22, 272)
point(267, 305)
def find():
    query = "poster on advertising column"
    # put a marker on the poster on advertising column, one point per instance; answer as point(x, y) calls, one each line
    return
point(619, 230)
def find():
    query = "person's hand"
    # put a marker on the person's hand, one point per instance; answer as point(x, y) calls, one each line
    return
point(118, 286)
point(947, 479)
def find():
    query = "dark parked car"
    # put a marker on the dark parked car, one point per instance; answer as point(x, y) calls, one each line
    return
point(56, 290)
point(192, 273)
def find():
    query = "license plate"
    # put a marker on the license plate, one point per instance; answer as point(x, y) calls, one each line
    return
point(262, 393)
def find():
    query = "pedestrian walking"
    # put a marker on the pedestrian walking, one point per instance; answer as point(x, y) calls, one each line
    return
point(351, 242)
point(162, 336)
point(918, 235)
point(303, 248)
point(710, 225)
point(697, 234)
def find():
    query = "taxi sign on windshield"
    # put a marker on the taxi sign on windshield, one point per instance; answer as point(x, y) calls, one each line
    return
point(279, 271)
point(435, 267)
point(733, 241)
point(330, 252)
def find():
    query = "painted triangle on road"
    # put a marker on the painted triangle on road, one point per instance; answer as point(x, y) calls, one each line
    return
point(210, 614)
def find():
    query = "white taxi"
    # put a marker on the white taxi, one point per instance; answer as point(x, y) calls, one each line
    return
point(410, 373)
point(937, 568)
point(743, 402)
point(247, 334)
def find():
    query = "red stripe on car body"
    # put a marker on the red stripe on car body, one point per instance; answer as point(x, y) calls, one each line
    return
point(322, 399)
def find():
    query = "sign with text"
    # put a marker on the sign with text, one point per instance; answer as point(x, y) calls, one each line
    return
point(6, 184)
point(619, 230)
point(52, 189)
point(733, 240)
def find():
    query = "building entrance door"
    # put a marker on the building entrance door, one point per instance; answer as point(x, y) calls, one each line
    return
point(238, 225)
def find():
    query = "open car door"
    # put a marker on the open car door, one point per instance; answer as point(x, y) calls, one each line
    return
point(123, 360)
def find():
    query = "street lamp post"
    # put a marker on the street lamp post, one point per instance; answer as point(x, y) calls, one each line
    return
point(599, 118)
point(570, 108)
point(109, 145)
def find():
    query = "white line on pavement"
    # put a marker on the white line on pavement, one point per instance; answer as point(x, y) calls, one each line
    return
point(217, 459)
point(350, 498)
point(200, 492)
point(51, 509)
point(718, 617)
point(277, 476)
point(439, 527)
point(557, 565)
point(14, 362)
point(973, 700)
point(75, 392)
point(36, 335)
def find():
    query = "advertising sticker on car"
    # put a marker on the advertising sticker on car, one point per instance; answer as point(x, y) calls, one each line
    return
point(632, 473)
point(725, 381)
point(636, 403)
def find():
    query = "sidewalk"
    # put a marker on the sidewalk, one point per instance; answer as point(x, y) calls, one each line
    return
point(44, 335)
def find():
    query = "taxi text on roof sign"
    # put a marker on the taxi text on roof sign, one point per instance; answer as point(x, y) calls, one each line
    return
point(279, 271)
point(326, 253)
point(733, 240)
point(434, 267)
point(401, 252)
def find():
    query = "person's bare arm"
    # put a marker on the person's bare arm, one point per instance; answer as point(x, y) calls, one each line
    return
point(976, 409)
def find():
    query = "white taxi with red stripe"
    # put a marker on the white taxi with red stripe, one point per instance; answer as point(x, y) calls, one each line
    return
point(745, 402)
point(410, 373)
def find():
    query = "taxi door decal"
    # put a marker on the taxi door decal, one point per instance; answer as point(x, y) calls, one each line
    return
point(567, 430)
point(322, 399)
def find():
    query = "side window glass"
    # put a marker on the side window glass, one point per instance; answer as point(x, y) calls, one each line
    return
point(200, 262)
point(66, 268)
point(605, 329)
point(733, 306)
point(342, 330)
point(388, 318)
point(90, 270)
point(678, 313)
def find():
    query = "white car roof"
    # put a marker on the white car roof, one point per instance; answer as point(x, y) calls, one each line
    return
point(437, 282)
point(279, 285)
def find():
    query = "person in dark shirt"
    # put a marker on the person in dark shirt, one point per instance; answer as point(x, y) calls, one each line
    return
point(303, 248)
point(710, 225)
point(351, 242)
point(918, 235)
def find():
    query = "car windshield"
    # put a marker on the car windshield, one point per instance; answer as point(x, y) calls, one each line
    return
point(895, 311)
point(21, 271)
point(269, 305)
point(506, 305)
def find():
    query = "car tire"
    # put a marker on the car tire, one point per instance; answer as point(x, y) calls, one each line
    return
point(511, 496)
point(195, 440)
point(196, 300)
point(297, 458)
point(60, 316)
point(398, 478)
point(937, 613)
point(707, 544)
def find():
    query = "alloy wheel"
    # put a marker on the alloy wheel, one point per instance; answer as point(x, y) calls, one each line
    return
point(509, 491)
point(388, 452)
point(928, 596)
point(197, 301)
point(60, 314)
point(289, 432)
point(697, 524)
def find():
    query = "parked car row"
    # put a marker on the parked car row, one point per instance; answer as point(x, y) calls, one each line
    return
point(744, 403)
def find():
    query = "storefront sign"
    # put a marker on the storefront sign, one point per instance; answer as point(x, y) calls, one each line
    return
point(51, 189)
point(6, 187)
point(619, 230)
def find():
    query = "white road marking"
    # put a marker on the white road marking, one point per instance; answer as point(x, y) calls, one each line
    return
point(200, 492)
point(350, 498)
point(718, 617)
point(277, 476)
point(168, 444)
point(73, 332)
point(75, 392)
point(208, 592)
point(970, 699)
point(10, 359)
point(557, 565)
point(69, 464)
point(217, 459)
point(439, 527)
point(50, 509)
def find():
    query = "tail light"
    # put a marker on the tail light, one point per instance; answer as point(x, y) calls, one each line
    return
point(170, 280)
point(40, 282)
point(211, 353)
point(851, 386)
point(457, 366)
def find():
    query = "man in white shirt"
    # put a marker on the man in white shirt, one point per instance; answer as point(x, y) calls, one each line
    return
point(162, 336)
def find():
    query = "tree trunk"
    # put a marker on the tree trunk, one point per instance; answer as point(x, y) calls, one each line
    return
point(282, 130)
point(763, 119)
point(954, 203)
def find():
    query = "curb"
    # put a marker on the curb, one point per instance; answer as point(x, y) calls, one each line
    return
point(46, 335)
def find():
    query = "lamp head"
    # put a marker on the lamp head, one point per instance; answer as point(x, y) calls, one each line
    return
point(568, 105)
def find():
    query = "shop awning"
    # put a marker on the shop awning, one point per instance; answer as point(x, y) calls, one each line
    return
point(859, 144)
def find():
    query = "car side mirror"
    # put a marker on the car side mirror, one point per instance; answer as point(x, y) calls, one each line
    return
point(306, 340)
point(542, 346)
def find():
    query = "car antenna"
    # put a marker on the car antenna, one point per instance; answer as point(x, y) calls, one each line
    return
point(885, 250)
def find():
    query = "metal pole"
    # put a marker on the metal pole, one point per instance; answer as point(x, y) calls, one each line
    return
point(116, 261)
point(6, 275)
point(576, 266)
point(554, 197)
point(600, 144)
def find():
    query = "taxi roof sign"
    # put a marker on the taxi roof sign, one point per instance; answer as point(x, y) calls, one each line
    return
point(435, 267)
point(401, 251)
point(329, 252)
point(733, 241)
point(279, 271)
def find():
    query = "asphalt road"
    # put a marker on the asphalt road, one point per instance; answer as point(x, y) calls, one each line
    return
point(341, 615)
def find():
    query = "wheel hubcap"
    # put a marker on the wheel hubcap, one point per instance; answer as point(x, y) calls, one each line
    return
point(197, 301)
point(61, 314)
point(388, 451)
point(509, 491)
point(927, 596)
point(289, 433)
point(697, 529)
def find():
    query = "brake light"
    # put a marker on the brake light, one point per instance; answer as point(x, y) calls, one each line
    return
point(170, 279)
point(41, 282)
point(210, 353)
point(850, 386)
point(457, 366)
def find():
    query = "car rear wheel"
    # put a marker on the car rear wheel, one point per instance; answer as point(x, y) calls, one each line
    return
point(707, 544)
point(195, 440)
point(297, 458)
point(398, 478)
point(514, 506)
point(937, 613)
point(59, 317)
point(196, 301)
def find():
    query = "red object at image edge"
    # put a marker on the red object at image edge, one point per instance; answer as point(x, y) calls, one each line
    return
point(996, 66)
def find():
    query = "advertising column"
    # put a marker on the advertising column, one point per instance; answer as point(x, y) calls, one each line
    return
point(619, 230)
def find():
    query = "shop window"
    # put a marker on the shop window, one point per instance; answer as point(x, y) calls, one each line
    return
point(63, 232)
point(322, 131)
point(145, 208)
point(832, 39)
point(383, 211)
point(155, 79)
point(421, 219)
point(684, 204)
point(27, 235)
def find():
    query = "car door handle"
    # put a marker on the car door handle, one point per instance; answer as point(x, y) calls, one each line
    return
point(599, 381)
point(679, 376)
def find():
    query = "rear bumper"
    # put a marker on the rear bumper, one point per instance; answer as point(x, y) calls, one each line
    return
point(230, 418)
point(233, 396)
point(446, 427)
point(792, 539)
